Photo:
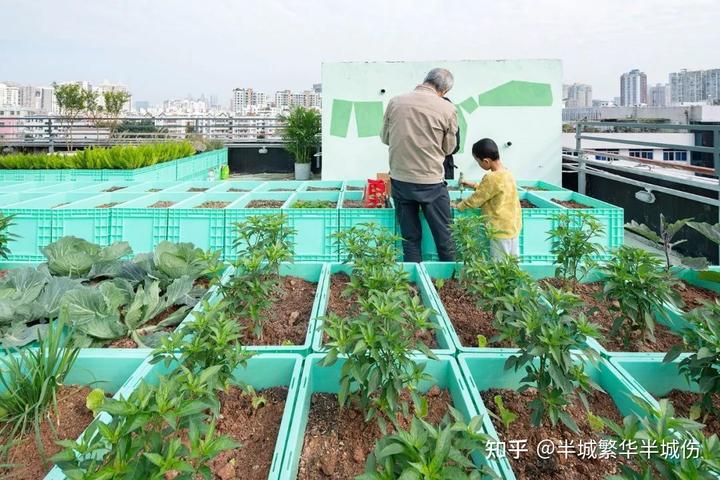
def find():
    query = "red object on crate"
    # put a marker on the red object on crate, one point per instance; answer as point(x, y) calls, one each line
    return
point(375, 194)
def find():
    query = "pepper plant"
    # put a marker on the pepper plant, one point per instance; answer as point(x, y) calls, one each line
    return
point(572, 244)
point(6, 221)
point(636, 288)
point(702, 336)
point(548, 336)
point(490, 281)
point(472, 235)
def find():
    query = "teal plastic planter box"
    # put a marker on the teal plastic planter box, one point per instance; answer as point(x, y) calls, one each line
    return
point(205, 227)
point(317, 379)
point(192, 186)
point(238, 212)
point(9, 186)
point(262, 372)
point(234, 186)
point(535, 244)
point(120, 186)
point(445, 345)
point(539, 185)
point(33, 224)
point(141, 226)
point(7, 198)
point(321, 185)
point(151, 186)
point(85, 220)
point(280, 186)
point(310, 271)
point(484, 371)
point(314, 227)
point(354, 185)
point(351, 217)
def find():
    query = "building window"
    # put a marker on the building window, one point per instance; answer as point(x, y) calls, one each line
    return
point(608, 150)
point(675, 155)
point(647, 154)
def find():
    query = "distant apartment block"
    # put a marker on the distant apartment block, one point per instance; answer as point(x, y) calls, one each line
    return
point(659, 95)
point(633, 88)
point(698, 86)
point(579, 95)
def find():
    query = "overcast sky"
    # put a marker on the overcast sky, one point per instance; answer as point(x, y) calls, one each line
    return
point(168, 49)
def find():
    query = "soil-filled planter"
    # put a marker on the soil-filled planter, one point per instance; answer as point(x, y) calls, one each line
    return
point(486, 376)
point(263, 435)
point(352, 212)
point(663, 380)
point(315, 228)
point(464, 320)
point(293, 314)
point(317, 455)
point(699, 287)
point(439, 341)
point(94, 368)
point(200, 219)
point(250, 204)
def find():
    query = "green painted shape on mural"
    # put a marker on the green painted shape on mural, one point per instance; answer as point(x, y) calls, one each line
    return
point(462, 126)
point(368, 118)
point(517, 94)
point(469, 105)
point(340, 117)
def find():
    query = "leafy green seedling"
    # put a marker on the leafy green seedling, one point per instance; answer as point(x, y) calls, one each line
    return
point(482, 341)
point(596, 423)
point(507, 416)
point(573, 244)
point(94, 400)
point(256, 400)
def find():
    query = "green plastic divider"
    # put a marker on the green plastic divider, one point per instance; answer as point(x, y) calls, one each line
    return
point(280, 186)
point(326, 185)
point(238, 212)
point(315, 228)
point(310, 271)
point(351, 217)
point(649, 372)
point(17, 197)
point(444, 340)
point(205, 227)
point(11, 186)
point(263, 371)
point(694, 277)
point(316, 379)
point(484, 371)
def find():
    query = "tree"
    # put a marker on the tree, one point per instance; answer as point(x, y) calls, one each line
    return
point(300, 133)
point(71, 100)
point(114, 103)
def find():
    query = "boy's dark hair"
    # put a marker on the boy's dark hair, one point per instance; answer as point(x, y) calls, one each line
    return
point(486, 148)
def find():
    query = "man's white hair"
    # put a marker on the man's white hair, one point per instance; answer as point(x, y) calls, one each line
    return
point(441, 79)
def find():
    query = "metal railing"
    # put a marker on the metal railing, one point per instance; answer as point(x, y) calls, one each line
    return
point(50, 132)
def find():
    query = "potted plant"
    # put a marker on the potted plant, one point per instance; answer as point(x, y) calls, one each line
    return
point(300, 134)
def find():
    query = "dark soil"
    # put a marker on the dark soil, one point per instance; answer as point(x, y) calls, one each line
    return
point(60, 205)
point(355, 189)
point(287, 319)
point(534, 189)
point(597, 312)
point(71, 420)
point(161, 204)
point(265, 204)
point(127, 342)
point(154, 189)
point(469, 321)
point(682, 401)
point(108, 205)
point(281, 190)
point(255, 429)
point(570, 204)
point(213, 204)
point(527, 204)
point(323, 189)
point(197, 189)
point(348, 307)
point(353, 204)
point(338, 441)
point(694, 297)
point(237, 190)
point(113, 189)
point(529, 465)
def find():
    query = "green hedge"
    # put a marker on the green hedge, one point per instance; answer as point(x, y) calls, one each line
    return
point(120, 157)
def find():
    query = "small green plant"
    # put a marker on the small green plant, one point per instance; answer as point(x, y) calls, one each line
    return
point(6, 221)
point(664, 239)
point(94, 400)
point(596, 423)
point(482, 341)
point(430, 453)
point(488, 282)
point(702, 336)
point(313, 204)
point(507, 416)
point(301, 133)
point(549, 335)
point(573, 244)
point(636, 288)
point(472, 235)
point(256, 400)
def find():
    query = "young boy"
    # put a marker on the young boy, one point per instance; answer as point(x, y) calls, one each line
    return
point(497, 196)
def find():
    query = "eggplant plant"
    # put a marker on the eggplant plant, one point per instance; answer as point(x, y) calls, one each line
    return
point(702, 366)
point(431, 453)
point(636, 288)
point(573, 245)
point(664, 239)
point(552, 341)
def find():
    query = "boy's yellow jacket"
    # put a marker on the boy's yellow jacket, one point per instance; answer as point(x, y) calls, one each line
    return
point(497, 196)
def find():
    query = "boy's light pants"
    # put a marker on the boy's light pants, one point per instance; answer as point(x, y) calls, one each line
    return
point(500, 247)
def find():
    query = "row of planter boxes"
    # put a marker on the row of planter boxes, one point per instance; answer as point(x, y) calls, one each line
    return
point(188, 168)
point(107, 212)
point(464, 378)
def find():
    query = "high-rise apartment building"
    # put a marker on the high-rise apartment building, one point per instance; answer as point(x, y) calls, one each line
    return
point(695, 86)
point(633, 88)
point(659, 95)
point(579, 95)
point(9, 94)
point(106, 86)
point(245, 98)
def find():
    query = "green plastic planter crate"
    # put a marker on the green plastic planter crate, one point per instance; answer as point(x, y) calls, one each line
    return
point(444, 340)
point(274, 186)
point(535, 243)
point(7, 198)
point(83, 219)
point(146, 186)
point(205, 227)
point(544, 186)
point(237, 212)
point(9, 185)
point(317, 379)
point(351, 217)
point(353, 185)
point(141, 226)
point(103, 187)
point(446, 270)
point(223, 186)
point(33, 225)
point(310, 271)
point(315, 228)
point(484, 371)
point(328, 185)
point(262, 372)
point(185, 186)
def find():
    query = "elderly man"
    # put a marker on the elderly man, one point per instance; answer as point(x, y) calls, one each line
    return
point(420, 128)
